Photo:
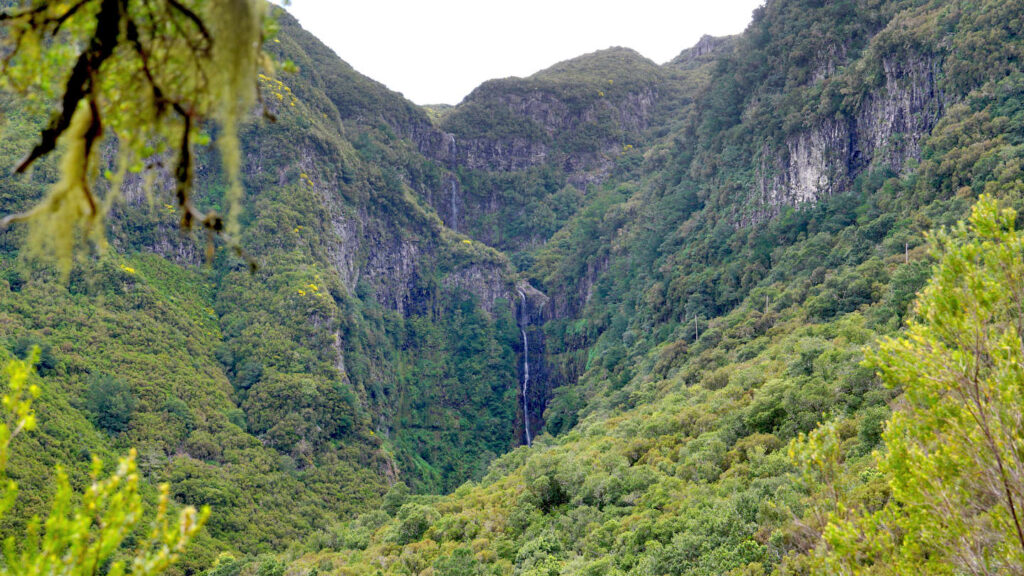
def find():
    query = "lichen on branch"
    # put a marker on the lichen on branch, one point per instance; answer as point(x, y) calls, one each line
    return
point(148, 75)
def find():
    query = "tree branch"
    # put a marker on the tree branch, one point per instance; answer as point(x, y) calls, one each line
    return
point(80, 83)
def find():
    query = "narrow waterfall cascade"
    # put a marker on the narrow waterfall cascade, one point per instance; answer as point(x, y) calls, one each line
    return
point(455, 205)
point(526, 367)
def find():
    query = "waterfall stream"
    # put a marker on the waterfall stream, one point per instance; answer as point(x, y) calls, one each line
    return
point(454, 205)
point(526, 367)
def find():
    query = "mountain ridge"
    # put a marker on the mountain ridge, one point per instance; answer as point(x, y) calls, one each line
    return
point(695, 254)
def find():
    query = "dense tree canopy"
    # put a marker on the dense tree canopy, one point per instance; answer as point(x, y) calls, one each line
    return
point(700, 359)
point(954, 447)
point(83, 533)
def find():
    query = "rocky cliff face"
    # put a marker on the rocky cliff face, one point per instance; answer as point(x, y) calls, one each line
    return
point(361, 283)
point(884, 132)
point(813, 164)
point(704, 50)
point(896, 117)
point(576, 119)
point(571, 124)
point(490, 283)
point(571, 121)
point(555, 122)
point(532, 312)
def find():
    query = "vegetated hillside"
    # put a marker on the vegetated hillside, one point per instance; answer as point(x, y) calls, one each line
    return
point(711, 299)
point(694, 256)
point(373, 344)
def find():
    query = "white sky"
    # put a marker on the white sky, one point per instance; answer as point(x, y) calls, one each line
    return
point(437, 51)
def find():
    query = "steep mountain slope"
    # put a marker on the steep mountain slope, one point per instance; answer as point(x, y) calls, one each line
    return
point(709, 303)
point(692, 256)
point(526, 150)
point(523, 156)
point(698, 232)
point(373, 343)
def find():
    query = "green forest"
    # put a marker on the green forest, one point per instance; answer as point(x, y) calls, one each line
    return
point(757, 310)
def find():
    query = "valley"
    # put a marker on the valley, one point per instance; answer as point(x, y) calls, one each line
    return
point(616, 317)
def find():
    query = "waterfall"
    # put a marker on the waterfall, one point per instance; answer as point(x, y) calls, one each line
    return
point(526, 367)
point(455, 206)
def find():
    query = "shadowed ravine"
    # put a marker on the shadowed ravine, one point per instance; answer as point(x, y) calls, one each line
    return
point(526, 368)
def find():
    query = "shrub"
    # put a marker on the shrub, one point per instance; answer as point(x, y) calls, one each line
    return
point(110, 402)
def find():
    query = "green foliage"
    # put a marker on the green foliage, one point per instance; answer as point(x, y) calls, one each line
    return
point(288, 399)
point(143, 72)
point(110, 401)
point(47, 362)
point(156, 329)
point(226, 565)
point(413, 520)
point(395, 498)
point(84, 533)
point(952, 446)
point(701, 324)
point(701, 327)
point(461, 562)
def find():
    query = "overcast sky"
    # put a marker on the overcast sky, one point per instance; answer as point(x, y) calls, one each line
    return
point(438, 51)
